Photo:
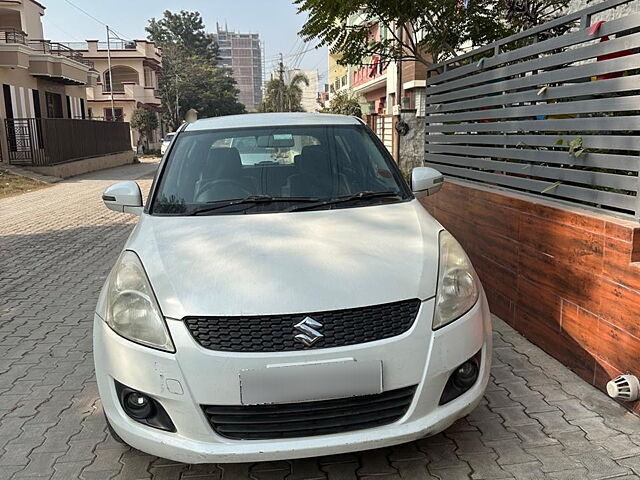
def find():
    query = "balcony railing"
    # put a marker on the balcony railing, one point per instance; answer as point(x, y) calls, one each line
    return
point(58, 49)
point(114, 45)
point(12, 35)
point(117, 88)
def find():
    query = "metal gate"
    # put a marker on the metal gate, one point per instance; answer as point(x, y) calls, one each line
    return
point(24, 141)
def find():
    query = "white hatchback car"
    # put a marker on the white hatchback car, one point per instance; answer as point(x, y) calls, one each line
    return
point(166, 141)
point(304, 304)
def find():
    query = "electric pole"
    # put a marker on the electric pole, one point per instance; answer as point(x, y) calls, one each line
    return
point(282, 86)
point(113, 115)
point(177, 102)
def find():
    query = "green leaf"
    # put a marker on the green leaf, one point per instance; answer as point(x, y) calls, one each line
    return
point(560, 141)
point(551, 187)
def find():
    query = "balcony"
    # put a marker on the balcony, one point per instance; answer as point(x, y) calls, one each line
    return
point(59, 50)
point(59, 63)
point(12, 35)
point(44, 59)
point(14, 51)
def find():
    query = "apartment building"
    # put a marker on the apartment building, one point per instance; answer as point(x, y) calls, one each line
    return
point(338, 74)
point(132, 82)
point(39, 78)
point(242, 53)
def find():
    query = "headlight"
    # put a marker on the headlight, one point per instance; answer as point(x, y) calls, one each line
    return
point(458, 286)
point(132, 310)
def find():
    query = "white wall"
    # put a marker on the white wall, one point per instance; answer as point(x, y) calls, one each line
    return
point(621, 11)
point(310, 93)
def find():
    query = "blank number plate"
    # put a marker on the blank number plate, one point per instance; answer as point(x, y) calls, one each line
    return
point(310, 381)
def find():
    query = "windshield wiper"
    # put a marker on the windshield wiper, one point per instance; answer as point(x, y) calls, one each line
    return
point(252, 200)
point(365, 195)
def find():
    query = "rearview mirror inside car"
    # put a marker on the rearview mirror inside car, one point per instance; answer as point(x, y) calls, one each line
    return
point(277, 140)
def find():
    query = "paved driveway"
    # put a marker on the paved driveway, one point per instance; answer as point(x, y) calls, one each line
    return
point(56, 247)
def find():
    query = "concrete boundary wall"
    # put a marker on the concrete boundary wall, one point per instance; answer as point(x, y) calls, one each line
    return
point(86, 165)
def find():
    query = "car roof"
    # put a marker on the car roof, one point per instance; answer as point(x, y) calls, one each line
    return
point(270, 119)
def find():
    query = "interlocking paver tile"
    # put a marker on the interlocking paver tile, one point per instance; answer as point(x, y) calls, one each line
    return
point(595, 428)
point(600, 465)
point(457, 472)
point(306, 469)
point(553, 458)
point(536, 414)
point(340, 471)
point(413, 469)
point(515, 416)
point(573, 409)
point(375, 462)
point(233, 471)
point(526, 471)
point(620, 446)
point(532, 435)
point(553, 422)
point(510, 452)
point(406, 451)
point(484, 466)
point(536, 404)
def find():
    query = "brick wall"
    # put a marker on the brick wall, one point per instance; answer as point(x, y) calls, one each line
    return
point(568, 279)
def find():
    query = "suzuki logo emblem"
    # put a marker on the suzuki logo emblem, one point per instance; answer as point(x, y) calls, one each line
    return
point(309, 334)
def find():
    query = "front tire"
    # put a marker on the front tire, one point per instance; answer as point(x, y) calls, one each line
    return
point(113, 433)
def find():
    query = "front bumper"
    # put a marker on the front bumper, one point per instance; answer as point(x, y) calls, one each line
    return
point(195, 376)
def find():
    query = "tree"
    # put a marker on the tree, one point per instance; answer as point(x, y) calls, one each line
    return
point(184, 30)
point(345, 102)
point(191, 77)
point(426, 31)
point(145, 122)
point(283, 96)
point(525, 14)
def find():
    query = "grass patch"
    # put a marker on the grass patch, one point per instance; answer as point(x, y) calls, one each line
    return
point(15, 185)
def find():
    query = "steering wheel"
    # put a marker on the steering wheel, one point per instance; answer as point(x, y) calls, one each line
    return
point(238, 190)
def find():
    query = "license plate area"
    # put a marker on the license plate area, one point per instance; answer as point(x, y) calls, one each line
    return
point(310, 381)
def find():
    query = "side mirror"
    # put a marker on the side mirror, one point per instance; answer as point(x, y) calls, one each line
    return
point(123, 197)
point(425, 181)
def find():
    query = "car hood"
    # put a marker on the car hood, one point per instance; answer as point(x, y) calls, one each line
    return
point(296, 262)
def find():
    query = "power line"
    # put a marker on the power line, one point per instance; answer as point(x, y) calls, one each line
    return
point(276, 57)
point(118, 35)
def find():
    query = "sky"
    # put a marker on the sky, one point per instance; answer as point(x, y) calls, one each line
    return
point(275, 20)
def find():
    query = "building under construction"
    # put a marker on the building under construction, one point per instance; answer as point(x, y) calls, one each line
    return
point(242, 52)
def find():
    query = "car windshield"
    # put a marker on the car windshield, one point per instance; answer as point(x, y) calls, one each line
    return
point(271, 169)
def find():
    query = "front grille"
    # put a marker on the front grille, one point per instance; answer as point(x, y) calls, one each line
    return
point(306, 419)
point(275, 333)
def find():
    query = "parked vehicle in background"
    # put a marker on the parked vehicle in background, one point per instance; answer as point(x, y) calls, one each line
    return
point(166, 141)
point(285, 294)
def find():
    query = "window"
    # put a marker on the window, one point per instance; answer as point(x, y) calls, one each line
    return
point(117, 112)
point(6, 89)
point(36, 103)
point(148, 78)
point(304, 164)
